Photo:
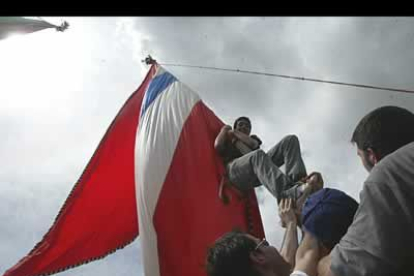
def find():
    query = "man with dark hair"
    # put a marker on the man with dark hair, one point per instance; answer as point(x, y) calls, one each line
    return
point(381, 132)
point(248, 166)
point(380, 240)
point(239, 254)
point(326, 217)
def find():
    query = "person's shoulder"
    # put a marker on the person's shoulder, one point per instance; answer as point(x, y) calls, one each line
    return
point(226, 127)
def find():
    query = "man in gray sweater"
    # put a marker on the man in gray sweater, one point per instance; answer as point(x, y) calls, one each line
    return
point(380, 240)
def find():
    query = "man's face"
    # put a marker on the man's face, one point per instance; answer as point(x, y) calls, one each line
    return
point(243, 126)
point(365, 159)
point(273, 260)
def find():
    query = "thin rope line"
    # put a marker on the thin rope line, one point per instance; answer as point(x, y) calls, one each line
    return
point(291, 77)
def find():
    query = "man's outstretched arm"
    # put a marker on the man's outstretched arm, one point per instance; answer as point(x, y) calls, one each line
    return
point(290, 240)
point(307, 256)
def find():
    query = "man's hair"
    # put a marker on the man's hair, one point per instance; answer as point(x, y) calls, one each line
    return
point(243, 118)
point(384, 130)
point(230, 256)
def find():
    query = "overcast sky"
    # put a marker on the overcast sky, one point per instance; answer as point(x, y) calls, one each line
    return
point(60, 91)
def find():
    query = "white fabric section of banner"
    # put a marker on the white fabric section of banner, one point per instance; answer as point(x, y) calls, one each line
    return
point(157, 137)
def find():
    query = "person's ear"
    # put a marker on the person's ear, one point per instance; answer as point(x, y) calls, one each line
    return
point(372, 156)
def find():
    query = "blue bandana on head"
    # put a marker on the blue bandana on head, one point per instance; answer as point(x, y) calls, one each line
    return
point(327, 214)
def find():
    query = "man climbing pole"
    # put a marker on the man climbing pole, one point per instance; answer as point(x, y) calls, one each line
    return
point(248, 166)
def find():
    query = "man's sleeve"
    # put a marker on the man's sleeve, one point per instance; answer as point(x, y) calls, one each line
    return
point(374, 242)
point(350, 260)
